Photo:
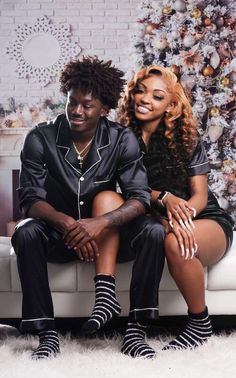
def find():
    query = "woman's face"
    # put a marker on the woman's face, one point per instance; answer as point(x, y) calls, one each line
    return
point(151, 99)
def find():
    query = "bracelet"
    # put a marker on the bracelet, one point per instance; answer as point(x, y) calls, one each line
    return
point(161, 198)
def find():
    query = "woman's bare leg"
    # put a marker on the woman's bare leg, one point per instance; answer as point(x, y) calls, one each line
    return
point(189, 277)
point(106, 305)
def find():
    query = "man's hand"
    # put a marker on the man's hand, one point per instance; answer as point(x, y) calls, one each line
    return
point(81, 236)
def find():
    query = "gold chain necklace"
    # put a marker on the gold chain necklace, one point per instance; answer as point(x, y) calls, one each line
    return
point(81, 157)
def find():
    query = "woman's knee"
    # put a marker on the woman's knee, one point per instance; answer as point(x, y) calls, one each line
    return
point(172, 249)
point(106, 201)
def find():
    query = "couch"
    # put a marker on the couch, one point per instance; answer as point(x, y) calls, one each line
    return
point(73, 289)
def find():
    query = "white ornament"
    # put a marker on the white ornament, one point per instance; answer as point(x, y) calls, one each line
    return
point(174, 34)
point(180, 6)
point(188, 80)
point(161, 43)
point(214, 132)
point(215, 60)
point(224, 204)
point(189, 40)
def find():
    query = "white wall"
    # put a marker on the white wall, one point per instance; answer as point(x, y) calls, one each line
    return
point(101, 27)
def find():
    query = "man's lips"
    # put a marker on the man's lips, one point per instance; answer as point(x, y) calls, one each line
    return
point(77, 120)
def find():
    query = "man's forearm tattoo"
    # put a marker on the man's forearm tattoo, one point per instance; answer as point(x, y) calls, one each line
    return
point(128, 211)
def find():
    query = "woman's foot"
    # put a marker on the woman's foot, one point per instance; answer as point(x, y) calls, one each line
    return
point(197, 331)
point(134, 344)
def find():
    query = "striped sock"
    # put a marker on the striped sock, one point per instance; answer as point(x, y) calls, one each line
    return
point(197, 331)
point(106, 306)
point(134, 344)
point(48, 345)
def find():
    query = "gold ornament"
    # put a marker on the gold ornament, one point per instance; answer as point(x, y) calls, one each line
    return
point(196, 13)
point(149, 28)
point(214, 111)
point(175, 69)
point(207, 21)
point(208, 70)
point(167, 10)
point(225, 81)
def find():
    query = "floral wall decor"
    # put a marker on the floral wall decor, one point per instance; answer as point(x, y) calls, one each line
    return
point(40, 50)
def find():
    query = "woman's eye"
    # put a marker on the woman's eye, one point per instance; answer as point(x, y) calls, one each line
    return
point(159, 98)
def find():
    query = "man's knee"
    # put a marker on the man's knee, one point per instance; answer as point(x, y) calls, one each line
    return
point(106, 201)
point(27, 231)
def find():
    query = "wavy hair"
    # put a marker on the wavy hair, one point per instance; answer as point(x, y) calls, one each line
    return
point(180, 117)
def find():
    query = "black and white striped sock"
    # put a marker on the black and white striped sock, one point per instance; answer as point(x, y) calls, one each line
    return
point(134, 344)
point(197, 331)
point(106, 305)
point(48, 345)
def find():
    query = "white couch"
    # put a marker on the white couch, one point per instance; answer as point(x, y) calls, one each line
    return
point(73, 289)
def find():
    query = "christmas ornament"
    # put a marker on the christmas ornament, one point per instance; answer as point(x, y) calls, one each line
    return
point(189, 40)
point(161, 43)
point(225, 81)
point(176, 69)
point(223, 202)
point(232, 188)
point(219, 21)
point(208, 71)
point(180, 6)
point(167, 10)
point(206, 21)
point(149, 28)
point(214, 132)
point(215, 59)
point(196, 13)
point(214, 111)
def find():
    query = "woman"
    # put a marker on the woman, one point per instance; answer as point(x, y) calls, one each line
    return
point(198, 231)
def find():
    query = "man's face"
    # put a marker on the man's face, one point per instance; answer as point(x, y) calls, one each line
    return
point(83, 111)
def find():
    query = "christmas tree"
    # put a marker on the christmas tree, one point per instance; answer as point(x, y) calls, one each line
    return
point(197, 40)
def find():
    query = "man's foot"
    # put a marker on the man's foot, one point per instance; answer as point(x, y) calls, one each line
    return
point(197, 331)
point(48, 346)
point(134, 344)
point(106, 306)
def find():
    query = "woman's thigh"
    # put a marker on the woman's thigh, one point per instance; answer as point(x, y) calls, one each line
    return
point(211, 241)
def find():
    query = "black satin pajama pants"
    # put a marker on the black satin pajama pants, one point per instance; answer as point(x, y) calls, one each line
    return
point(35, 244)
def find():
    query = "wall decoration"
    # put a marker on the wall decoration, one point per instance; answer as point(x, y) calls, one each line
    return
point(40, 50)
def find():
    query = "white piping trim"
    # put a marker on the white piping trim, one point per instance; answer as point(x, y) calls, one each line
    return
point(32, 320)
point(144, 309)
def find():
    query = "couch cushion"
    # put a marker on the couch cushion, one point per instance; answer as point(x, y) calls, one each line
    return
point(5, 272)
point(222, 276)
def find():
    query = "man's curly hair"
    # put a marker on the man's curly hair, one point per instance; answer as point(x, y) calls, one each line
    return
point(94, 76)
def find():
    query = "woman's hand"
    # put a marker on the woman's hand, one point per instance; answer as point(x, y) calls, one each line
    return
point(179, 209)
point(186, 240)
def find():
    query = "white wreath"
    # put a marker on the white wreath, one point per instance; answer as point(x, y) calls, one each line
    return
point(42, 49)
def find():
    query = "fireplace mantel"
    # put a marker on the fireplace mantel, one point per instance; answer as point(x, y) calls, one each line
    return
point(11, 141)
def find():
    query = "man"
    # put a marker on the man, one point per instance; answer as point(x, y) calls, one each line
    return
point(70, 170)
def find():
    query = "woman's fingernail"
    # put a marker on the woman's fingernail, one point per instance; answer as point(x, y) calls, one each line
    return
point(193, 253)
point(182, 250)
point(171, 224)
point(191, 222)
point(182, 223)
point(196, 247)
point(187, 253)
point(187, 225)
